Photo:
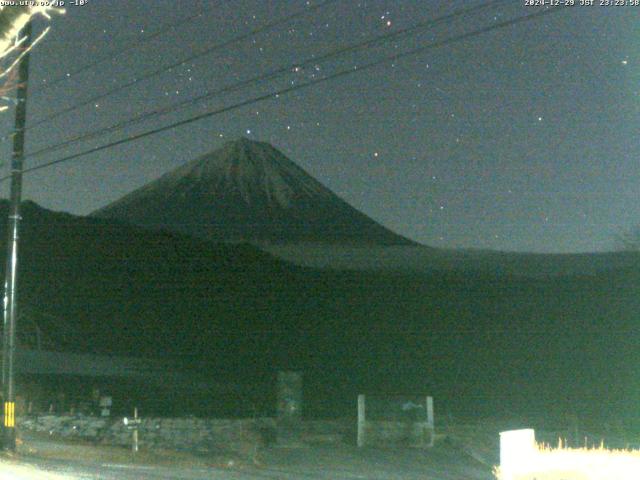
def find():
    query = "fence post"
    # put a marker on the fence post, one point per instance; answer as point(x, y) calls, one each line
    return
point(135, 430)
point(430, 421)
point(361, 420)
point(289, 408)
point(133, 424)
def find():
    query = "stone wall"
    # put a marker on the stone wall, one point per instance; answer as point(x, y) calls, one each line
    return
point(328, 431)
point(216, 435)
point(386, 433)
point(192, 434)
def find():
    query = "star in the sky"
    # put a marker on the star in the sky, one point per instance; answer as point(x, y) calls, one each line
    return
point(466, 84)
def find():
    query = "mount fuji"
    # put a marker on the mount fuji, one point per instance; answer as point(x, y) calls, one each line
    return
point(248, 191)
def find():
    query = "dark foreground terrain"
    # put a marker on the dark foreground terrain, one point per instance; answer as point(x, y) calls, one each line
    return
point(481, 342)
point(461, 452)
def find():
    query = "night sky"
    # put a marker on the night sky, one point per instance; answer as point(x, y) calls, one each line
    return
point(523, 138)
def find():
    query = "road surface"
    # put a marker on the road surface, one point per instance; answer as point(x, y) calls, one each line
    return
point(442, 462)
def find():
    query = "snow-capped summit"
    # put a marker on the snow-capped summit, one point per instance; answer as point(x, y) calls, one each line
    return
point(248, 191)
point(256, 171)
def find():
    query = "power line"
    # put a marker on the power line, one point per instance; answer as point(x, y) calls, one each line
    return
point(271, 95)
point(297, 87)
point(313, 60)
point(190, 58)
point(120, 51)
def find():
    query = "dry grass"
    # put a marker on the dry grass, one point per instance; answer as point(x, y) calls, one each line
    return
point(577, 464)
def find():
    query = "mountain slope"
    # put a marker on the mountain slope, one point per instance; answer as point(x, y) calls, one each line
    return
point(400, 258)
point(248, 192)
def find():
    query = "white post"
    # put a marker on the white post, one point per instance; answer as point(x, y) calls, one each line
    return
point(517, 451)
point(361, 420)
point(430, 421)
point(135, 430)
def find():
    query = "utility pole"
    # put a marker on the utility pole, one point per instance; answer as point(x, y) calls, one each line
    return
point(11, 273)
